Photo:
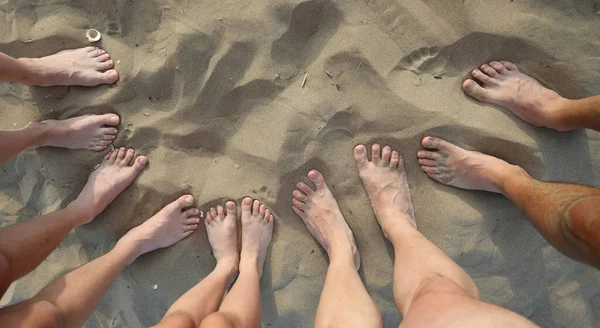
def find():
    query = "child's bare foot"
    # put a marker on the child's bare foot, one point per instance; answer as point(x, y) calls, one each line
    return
point(386, 183)
point(92, 132)
point(221, 227)
point(165, 228)
point(321, 214)
point(257, 230)
point(504, 85)
point(108, 181)
point(89, 66)
point(451, 165)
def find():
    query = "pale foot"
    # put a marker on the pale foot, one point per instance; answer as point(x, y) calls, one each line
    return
point(321, 215)
point(257, 231)
point(92, 132)
point(221, 227)
point(108, 181)
point(386, 183)
point(89, 66)
point(165, 228)
point(502, 84)
point(454, 166)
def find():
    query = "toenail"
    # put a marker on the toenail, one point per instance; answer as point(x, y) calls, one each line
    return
point(189, 200)
point(143, 160)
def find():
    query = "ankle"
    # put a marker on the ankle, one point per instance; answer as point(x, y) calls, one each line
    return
point(229, 266)
point(250, 263)
point(33, 72)
point(508, 177)
point(39, 133)
point(561, 114)
point(83, 213)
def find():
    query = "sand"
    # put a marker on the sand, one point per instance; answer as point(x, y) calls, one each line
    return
point(211, 93)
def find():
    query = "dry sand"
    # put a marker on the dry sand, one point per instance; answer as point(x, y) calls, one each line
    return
point(211, 92)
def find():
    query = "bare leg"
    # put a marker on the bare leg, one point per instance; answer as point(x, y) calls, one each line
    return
point(23, 246)
point(89, 66)
point(92, 132)
point(565, 214)
point(241, 307)
point(205, 298)
point(501, 83)
point(71, 298)
point(344, 300)
point(429, 288)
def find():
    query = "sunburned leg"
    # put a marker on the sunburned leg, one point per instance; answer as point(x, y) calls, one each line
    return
point(502, 84)
point(89, 66)
point(565, 214)
point(23, 246)
point(92, 132)
point(241, 307)
point(344, 300)
point(70, 299)
point(205, 298)
point(429, 288)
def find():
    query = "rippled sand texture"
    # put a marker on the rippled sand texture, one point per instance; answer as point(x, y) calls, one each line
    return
point(211, 92)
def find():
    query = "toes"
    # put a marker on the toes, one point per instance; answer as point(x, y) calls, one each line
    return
point(427, 162)
point(113, 156)
point(268, 215)
point(305, 188)
point(488, 70)
point(247, 204)
point(394, 160)
point(255, 206)
point(90, 48)
point(360, 156)
point(298, 211)
point(482, 77)
point(108, 131)
point(97, 52)
point(128, 156)
point(192, 212)
point(298, 204)
point(102, 66)
point(436, 177)
point(190, 227)
point(140, 163)
point(432, 155)
point(386, 154)
point(474, 90)
point(213, 212)
point(121, 153)
point(107, 157)
point(184, 201)
point(498, 67)
point(220, 212)
point(191, 221)
point(299, 196)
point(102, 58)
point(230, 208)
point(430, 169)
point(510, 66)
point(209, 218)
point(262, 211)
point(317, 178)
point(376, 153)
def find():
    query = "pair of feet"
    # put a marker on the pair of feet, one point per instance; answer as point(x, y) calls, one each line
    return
point(386, 183)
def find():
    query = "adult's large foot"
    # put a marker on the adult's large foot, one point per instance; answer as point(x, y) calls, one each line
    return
point(165, 228)
point(321, 215)
point(386, 183)
point(257, 231)
point(89, 66)
point(503, 84)
point(451, 165)
point(108, 181)
point(92, 132)
point(221, 227)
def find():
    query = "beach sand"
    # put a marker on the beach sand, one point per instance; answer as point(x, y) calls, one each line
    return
point(212, 93)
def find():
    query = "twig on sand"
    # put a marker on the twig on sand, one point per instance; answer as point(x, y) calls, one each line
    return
point(329, 74)
point(304, 80)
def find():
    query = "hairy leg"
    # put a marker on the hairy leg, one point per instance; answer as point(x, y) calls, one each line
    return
point(344, 300)
point(563, 213)
point(205, 298)
point(70, 299)
point(241, 307)
point(23, 246)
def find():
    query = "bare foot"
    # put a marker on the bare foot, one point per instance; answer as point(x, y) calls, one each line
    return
point(321, 215)
point(92, 132)
point(165, 228)
point(386, 183)
point(221, 227)
point(109, 180)
point(454, 166)
point(89, 66)
point(504, 85)
point(257, 230)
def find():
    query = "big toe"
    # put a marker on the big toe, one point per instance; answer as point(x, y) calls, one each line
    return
point(108, 77)
point(360, 156)
point(183, 201)
point(140, 163)
point(230, 208)
point(474, 90)
point(436, 143)
point(317, 178)
point(247, 205)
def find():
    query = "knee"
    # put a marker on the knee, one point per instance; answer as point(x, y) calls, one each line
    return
point(217, 320)
point(444, 288)
point(583, 223)
point(37, 313)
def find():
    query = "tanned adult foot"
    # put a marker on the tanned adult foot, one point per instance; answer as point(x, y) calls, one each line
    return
point(454, 166)
point(502, 84)
point(321, 215)
point(386, 183)
point(114, 174)
point(165, 228)
point(92, 132)
point(89, 66)
point(257, 231)
point(221, 227)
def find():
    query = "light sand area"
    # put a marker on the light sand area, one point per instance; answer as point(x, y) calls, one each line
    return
point(211, 92)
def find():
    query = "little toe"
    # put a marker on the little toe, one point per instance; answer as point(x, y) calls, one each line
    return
point(317, 178)
point(385, 155)
point(107, 157)
point(230, 208)
point(488, 70)
point(376, 153)
point(128, 156)
point(305, 188)
point(247, 205)
point(298, 212)
point(510, 66)
point(498, 67)
point(90, 48)
point(360, 156)
point(430, 169)
point(268, 215)
point(140, 163)
point(474, 90)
